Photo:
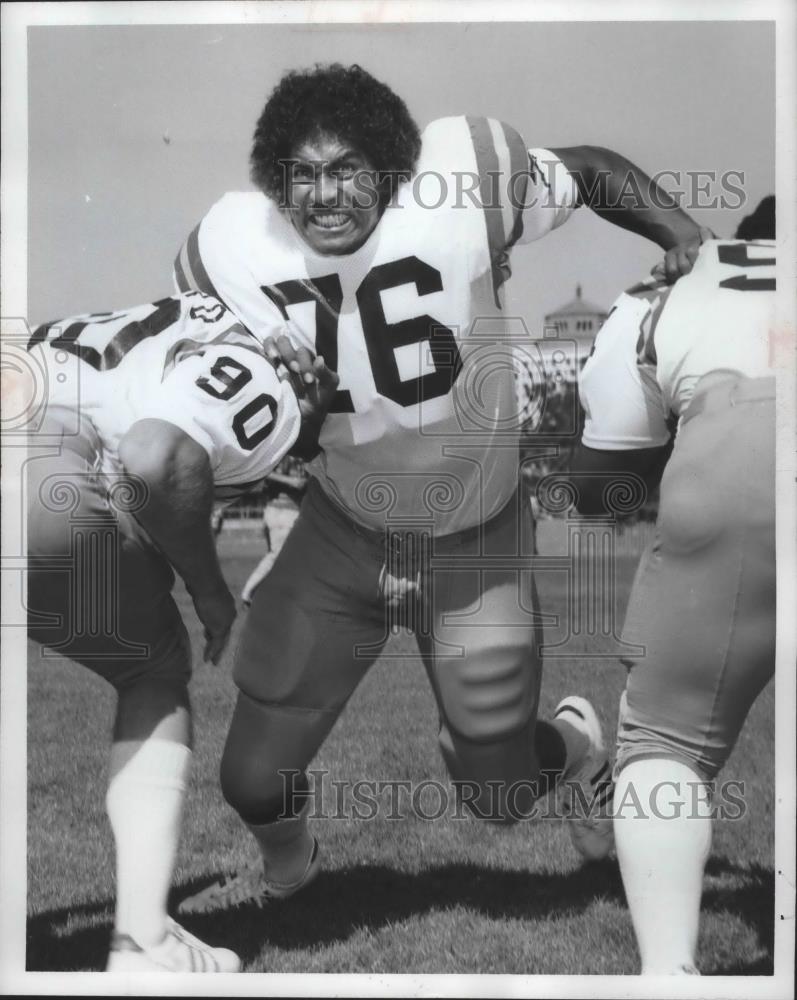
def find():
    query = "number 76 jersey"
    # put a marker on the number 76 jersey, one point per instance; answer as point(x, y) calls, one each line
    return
point(419, 426)
point(185, 360)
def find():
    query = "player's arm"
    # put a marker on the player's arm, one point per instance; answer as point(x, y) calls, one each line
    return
point(177, 516)
point(623, 194)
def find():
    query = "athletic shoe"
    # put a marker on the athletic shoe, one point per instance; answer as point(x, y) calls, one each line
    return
point(178, 952)
point(249, 887)
point(585, 789)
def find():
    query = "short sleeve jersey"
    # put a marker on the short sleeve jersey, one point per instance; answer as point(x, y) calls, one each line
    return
point(410, 321)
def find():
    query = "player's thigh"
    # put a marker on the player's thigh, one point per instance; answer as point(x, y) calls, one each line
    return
point(98, 590)
point(702, 608)
point(315, 624)
point(482, 653)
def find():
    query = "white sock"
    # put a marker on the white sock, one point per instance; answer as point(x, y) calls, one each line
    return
point(662, 859)
point(144, 803)
point(286, 846)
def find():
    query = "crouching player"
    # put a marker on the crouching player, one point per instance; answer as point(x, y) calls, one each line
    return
point(153, 413)
point(703, 601)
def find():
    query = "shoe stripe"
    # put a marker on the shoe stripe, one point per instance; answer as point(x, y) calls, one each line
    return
point(602, 771)
point(571, 708)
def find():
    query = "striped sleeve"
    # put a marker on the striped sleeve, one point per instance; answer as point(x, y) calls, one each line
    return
point(503, 167)
point(190, 273)
point(524, 193)
point(551, 195)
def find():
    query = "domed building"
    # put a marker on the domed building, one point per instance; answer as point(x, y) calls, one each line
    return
point(577, 321)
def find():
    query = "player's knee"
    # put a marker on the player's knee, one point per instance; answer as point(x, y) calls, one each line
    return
point(488, 704)
point(254, 787)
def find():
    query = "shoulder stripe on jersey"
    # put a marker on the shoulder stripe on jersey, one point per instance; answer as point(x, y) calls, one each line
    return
point(519, 180)
point(656, 293)
point(487, 166)
point(504, 223)
point(179, 273)
point(195, 267)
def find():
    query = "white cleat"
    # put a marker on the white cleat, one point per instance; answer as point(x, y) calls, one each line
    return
point(585, 789)
point(178, 952)
point(249, 887)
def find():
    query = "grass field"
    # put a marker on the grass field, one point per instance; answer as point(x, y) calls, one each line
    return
point(407, 895)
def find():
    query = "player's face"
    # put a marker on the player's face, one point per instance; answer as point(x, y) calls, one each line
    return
point(332, 195)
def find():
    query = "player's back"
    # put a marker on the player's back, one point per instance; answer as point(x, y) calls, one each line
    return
point(718, 318)
point(660, 340)
point(184, 359)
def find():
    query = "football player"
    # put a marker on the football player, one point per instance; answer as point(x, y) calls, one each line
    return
point(153, 414)
point(702, 608)
point(387, 251)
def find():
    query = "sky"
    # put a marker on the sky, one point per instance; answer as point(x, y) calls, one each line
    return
point(135, 131)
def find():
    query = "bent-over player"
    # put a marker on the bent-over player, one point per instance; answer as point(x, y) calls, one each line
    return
point(153, 413)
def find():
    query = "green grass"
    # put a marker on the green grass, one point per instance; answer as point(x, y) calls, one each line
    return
point(450, 896)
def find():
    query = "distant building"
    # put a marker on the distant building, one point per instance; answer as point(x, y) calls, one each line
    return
point(577, 321)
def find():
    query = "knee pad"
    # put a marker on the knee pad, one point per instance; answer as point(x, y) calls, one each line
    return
point(489, 697)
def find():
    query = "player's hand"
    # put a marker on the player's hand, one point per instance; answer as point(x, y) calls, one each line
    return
point(679, 259)
point(320, 392)
point(292, 363)
point(216, 610)
point(314, 406)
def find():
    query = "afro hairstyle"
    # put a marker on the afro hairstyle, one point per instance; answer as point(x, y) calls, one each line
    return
point(344, 101)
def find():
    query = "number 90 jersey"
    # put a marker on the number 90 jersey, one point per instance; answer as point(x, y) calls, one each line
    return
point(185, 360)
point(411, 321)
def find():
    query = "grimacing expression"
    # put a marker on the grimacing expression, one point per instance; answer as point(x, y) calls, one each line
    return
point(332, 195)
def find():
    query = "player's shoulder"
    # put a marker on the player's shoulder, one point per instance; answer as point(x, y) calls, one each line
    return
point(484, 141)
point(238, 229)
point(238, 209)
point(237, 350)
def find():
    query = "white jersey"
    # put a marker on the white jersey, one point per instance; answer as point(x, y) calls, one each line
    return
point(660, 340)
point(185, 360)
point(412, 434)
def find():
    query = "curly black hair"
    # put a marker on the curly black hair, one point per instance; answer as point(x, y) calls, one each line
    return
point(345, 101)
